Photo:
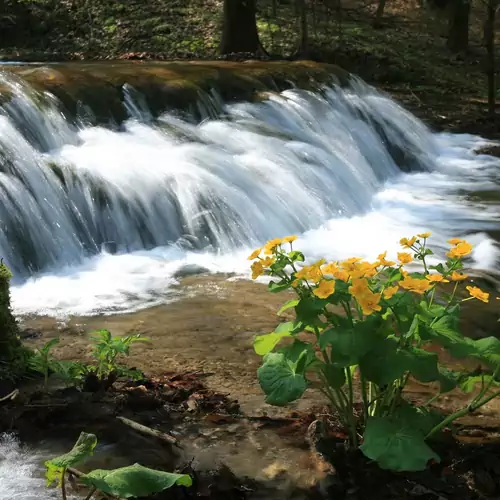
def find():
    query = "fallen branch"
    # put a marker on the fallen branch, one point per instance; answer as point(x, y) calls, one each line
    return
point(150, 432)
point(12, 395)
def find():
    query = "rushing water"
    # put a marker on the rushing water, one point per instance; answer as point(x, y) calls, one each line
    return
point(21, 471)
point(350, 171)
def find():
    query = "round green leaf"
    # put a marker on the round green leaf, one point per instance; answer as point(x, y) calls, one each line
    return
point(396, 445)
point(133, 481)
point(279, 380)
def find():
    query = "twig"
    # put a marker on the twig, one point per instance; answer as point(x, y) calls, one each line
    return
point(12, 395)
point(150, 432)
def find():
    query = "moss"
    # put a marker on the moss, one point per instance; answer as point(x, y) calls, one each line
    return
point(13, 356)
point(172, 85)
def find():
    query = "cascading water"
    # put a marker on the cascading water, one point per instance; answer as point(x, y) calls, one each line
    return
point(348, 169)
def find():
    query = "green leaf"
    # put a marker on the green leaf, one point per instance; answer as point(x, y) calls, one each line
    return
point(349, 345)
point(388, 362)
point(487, 350)
point(446, 332)
point(295, 351)
point(296, 256)
point(335, 376)
point(279, 380)
point(264, 344)
point(83, 448)
point(396, 445)
point(419, 417)
point(288, 305)
point(49, 345)
point(274, 287)
point(308, 309)
point(133, 481)
point(448, 379)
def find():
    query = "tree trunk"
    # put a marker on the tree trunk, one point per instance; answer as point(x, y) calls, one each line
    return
point(489, 41)
point(303, 28)
point(239, 31)
point(458, 28)
point(377, 22)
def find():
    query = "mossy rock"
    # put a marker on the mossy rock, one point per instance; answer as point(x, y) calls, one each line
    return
point(13, 356)
point(171, 85)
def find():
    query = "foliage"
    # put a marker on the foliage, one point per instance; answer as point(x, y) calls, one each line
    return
point(369, 325)
point(42, 362)
point(106, 354)
point(56, 467)
point(126, 482)
point(107, 351)
point(134, 481)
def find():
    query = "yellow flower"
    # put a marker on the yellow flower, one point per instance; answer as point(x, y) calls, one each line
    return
point(363, 269)
point(325, 289)
point(350, 264)
point(436, 278)
point(369, 303)
point(460, 250)
point(359, 287)
point(404, 257)
point(478, 294)
point(458, 276)
point(415, 285)
point(254, 254)
point(271, 245)
point(382, 261)
point(257, 269)
point(312, 273)
point(289, 239)
point(408, 243)
point(389, 292)
point(268, 261)
point(330, 268)
point(455, 241)
point(424, 235)
point(295, 283)
point(334, 270)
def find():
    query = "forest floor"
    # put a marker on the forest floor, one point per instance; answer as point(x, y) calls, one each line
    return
point(407, 57)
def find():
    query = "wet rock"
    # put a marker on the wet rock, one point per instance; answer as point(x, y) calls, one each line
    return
point(490, 149)
point(190, 270)
point(275, 470)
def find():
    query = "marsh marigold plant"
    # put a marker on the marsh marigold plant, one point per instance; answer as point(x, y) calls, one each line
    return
point(365, 328)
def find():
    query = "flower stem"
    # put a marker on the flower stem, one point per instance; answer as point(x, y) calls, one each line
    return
point(63, 484)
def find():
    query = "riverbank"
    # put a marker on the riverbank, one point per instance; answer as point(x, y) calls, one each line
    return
point(202, 389)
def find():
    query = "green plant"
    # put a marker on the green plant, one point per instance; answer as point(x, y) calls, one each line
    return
point(107, 351)
point(125, 482)
point(365, 327)
point(42, 362)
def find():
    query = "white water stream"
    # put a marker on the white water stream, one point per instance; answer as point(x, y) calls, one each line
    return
point(167, 193)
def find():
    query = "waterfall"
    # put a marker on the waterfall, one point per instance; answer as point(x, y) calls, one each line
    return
point(340, 167)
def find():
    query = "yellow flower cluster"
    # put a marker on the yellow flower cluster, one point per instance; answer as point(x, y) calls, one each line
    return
point(368, 300)
point(358, 273)
point(460, 248)
point(259, 266)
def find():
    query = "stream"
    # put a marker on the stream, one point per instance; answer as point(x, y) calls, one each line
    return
point(99, 219)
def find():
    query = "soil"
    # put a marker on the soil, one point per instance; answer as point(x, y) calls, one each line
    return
point(216, 410)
